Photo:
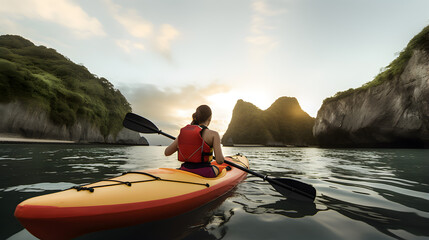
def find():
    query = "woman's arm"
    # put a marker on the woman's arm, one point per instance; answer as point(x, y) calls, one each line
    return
point(217, 148)
point(172, 148)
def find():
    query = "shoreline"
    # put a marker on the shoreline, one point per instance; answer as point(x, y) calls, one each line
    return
point(17, 139)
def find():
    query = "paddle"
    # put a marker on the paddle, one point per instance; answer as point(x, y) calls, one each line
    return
point(289, 188)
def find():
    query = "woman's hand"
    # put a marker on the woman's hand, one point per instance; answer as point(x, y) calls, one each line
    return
point(172, 148)
point(217, 148)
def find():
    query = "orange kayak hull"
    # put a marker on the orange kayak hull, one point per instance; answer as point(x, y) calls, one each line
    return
point(72, 213)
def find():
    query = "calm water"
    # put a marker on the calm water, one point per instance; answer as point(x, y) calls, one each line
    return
point(361, 194)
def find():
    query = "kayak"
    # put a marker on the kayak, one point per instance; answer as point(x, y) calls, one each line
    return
point(132, 198)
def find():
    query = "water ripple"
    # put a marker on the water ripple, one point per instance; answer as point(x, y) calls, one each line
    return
point(40, 187)
point(361, 193)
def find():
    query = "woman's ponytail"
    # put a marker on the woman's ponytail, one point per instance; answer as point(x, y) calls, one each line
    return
point(201, 115)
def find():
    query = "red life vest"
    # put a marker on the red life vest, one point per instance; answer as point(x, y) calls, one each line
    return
point(192, 147)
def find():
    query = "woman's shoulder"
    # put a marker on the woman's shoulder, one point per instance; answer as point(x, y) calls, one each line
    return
point(212, 132)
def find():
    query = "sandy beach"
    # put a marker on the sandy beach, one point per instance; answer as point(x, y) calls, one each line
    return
point(16, 138)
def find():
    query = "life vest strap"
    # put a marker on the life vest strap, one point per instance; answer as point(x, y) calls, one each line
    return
point(192, 139)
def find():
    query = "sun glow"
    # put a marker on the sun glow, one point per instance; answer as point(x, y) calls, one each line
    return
point(223, 104)
point(181, 113)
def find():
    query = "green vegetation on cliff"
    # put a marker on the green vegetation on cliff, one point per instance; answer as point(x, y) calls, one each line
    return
point(395, 68)
point(283, 123)
point(40, 77)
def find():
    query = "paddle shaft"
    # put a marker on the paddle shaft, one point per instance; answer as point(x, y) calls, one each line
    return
point(228, 162)
point(268, 179)
point(141, 124)
point(264, 177)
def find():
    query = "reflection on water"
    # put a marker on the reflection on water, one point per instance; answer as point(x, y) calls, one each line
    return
point(287, 207)
point(206, 222)
point(361, 193)
point(291, 208)
point(384, 220)
point(385, 189)
point(40, 187)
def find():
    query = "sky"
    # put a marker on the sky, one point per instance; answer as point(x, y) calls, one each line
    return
point(167, 57)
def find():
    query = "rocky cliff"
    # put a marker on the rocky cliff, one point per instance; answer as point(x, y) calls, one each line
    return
point(45, 95)
point(283, 123)
point(391, 111)
point(17, 118)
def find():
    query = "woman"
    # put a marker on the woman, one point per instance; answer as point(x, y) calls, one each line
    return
point(196, 144)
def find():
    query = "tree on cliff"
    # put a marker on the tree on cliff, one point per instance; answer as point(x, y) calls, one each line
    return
point(392, 110)
point(394, 69)
point(283, 123)
point(42, 78)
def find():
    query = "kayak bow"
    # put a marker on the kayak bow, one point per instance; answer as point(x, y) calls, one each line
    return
point(133, 198)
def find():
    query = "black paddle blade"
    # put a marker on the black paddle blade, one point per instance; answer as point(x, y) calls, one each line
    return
point(294, 189)
point(139, 124)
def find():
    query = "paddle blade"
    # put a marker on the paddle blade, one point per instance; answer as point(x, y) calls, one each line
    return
point(139, 124)
point(294, 189)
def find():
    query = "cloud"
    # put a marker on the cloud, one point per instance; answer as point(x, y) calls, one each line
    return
point(62, 12)
point(260, 38)
point(171, 109)
point(266, 42)
point(128, 46)
point(135, 25)
point(142, 31)
point(166, 35)
point(7, 25)
point(261, 8)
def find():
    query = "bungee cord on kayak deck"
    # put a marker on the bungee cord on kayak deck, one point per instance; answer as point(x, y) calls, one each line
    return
point(289, 188)
point(155, 178)
point(238, 160)
point(129, 183)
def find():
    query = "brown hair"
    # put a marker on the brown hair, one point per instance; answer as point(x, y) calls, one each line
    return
point(201, 115)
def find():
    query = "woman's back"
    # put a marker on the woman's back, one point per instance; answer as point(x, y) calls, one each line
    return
point(208, 136)
point(201, 117)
